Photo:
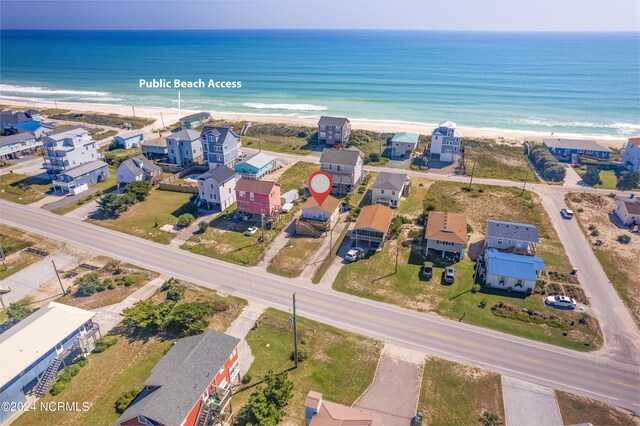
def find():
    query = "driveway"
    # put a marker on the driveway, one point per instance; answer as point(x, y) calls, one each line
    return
point(528, 404)
point(396, 386)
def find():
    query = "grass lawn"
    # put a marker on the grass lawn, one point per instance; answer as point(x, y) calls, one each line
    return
point(144, 219)
point(579, 410)
point(296, 176)
point(121, 368)
point(456, 394)
point(607, 177)
point(116, 156)
point(291, 260)
point(111, 120)
point(340, 364)
point(497, 160)
point(411, 206)
point(23, 189)
point(12, 241)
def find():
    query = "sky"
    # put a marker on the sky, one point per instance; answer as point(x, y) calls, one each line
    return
point(472, 15)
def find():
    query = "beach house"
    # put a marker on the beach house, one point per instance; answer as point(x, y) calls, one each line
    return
point(390, 188)
point(128, 140)
point(67, 148)
point(256, 166)
point(9, 118)
point(184, 148)
point(318, 218)
point(220, 146)
point(319, 412)
point(217, 187)
point(512, 272)
point(631, 155)
point(138, 168)
point(38, 128)
point(511, 236)
point(446, 143)
point(334, 131)
point(372, 226)
point(154, 148)
point(190, 385)
point(194, 120)
point(628, 210)
point(257, 197)
point(14, 146)
point(34, 350)
point(345, 168)
point(79, 178)
point(403, 144)
point(446, 235)
point(572, 150)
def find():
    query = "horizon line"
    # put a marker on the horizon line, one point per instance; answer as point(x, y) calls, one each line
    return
point(334, 29)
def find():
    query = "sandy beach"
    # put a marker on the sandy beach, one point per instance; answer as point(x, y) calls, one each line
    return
point(171, 115)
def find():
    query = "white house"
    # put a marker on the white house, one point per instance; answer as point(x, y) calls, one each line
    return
point(344, 166)
point(318, 218)
point(389, 188)
point(138, 168)
point(628, 210)
point(446, 142)
point(631, 155)
point(130, 139)
point(217, 187)
point(513, 272)
point(511, 236)
point(68, 148)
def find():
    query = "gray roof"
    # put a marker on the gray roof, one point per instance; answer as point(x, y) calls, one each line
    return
point(196, 116)
point(345, 157)
point(140, 164)
point(391, 181)
point(219, 132)
point(181, 377)
point(512, 231)
point(586, 144)
point(65, 129)
point(185, 135)
point(220, 174)
point(155, 142)
point(130, 134)
point(18, 137)
point(332, 121)
point(83, 169)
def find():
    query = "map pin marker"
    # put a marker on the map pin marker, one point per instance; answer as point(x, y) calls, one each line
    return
point(319, 184)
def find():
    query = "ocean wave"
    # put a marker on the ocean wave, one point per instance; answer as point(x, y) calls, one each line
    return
point(36, 90)
point(621, 128)
point(288, 107)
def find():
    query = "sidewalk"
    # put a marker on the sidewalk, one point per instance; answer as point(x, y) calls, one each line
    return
point(528, 404)
point(239, 329)
point(279, 243)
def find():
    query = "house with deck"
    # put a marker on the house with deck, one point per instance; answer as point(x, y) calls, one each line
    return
point(520, 238)
point(184, 148)
point(511, 272)
point(446, 143)
point(319, 412)
point(220, 146)
point(38, 128)
point(79, 178)
point(334, 131)
point(190, 385)
point(34, 350)
point(628, 210)
point(572, 150)
point(345, 167)
point(68, 148)
point(372, 226)
point(403, 144)
point(390, 188)
point(446, 235)
point(192, 121)
point(317, 219)
point(631, 155)
point(257, 197)
point(17, 145)
point(138, 168)
point(256, 165)
point(154, 148)
point(217, 188)
point(128, 140)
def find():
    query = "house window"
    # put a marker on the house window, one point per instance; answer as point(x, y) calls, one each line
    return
point(143, 420)
point(499, 241)
point(503, 280)
point(251, 196)
point(210, 195)
point(519, 283)
point(211, 186)
point(382, 191)
point(243, 193)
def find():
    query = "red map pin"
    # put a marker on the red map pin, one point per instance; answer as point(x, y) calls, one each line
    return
point(319, 186)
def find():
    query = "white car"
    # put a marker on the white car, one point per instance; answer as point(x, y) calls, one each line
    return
point(355, 254)
point(561, 302)
point(566, 213)
point(250, 231)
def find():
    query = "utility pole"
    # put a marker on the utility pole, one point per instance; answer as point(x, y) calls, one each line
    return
point(58, 275)
point(259, 142)
point(330, 240)
point(295, 333)
point(262, 225)
point(473, 170)
point(134, 110)
point(397, 254)
point(56, 103)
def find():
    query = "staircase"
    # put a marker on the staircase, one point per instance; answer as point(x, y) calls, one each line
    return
point(204, 418)
point(48, 377)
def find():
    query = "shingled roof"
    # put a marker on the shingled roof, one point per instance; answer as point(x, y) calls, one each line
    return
point(220, 174)
point(445, 226)
point(256, 186)
point(390, 181)
point(376, 217)
point(332, 121)
point(344, 157)
point(512, 231)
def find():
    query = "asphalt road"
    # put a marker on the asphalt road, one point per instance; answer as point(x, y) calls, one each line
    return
point(592, 375)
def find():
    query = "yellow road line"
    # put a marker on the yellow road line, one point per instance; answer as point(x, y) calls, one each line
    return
point(526, 358)
point(624, 384)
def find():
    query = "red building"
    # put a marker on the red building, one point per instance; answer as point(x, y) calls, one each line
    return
point(191, 385)
point(254, 197)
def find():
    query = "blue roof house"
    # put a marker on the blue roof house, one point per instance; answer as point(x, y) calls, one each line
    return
point(256, 166)
point(512, 272)
point(129, 140)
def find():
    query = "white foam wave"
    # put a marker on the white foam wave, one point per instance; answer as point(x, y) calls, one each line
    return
point(36, 90)
point(288, 107)
point(621, 128)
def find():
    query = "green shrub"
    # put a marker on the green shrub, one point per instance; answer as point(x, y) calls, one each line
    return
point(57, 388)
point(176, 292)
point(203, 226)
point(127, 281)
point(624, 239)
point(246, 379)
point(124, 400)
point(18, 311)
point(475, 288)
point(104, 343)
point(185, 219)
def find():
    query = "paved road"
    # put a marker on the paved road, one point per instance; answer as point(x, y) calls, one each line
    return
point(599, 377)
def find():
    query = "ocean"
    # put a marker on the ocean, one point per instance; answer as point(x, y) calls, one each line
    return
point(573, 83)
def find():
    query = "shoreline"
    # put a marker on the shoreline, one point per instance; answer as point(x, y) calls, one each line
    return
point(171, 115)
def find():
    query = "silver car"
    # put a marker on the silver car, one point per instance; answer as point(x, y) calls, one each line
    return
point(561, 302)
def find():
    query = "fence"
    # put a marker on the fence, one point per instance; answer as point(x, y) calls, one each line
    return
point(167, 185)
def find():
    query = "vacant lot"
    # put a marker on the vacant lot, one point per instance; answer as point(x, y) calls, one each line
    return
point(296, 176)
point(340, 364)
point(291, 260)
point(111, 120)
point(456, 394)
point(620, 261)
point(497, 160)
point(144, 219)
point(13, 241)
point(24, 189)
point(578, 410)
point(114, 155)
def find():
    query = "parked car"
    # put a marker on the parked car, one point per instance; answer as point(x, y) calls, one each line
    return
point(566, 213)
point(426, 272)
point(449, 275)
point(355, 254)
point(250, 231)
point(561, 302)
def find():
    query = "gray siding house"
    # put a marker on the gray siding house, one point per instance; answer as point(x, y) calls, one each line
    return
point(138, 168)
point(184, 148)
point(217, 187)
point(73, 180)
point(334, 131)
point(345, 168)
point(154, 148)
point(403, 144)
point(13, 146)
point(220, 146)
point(519, 238)
point(389, 188)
